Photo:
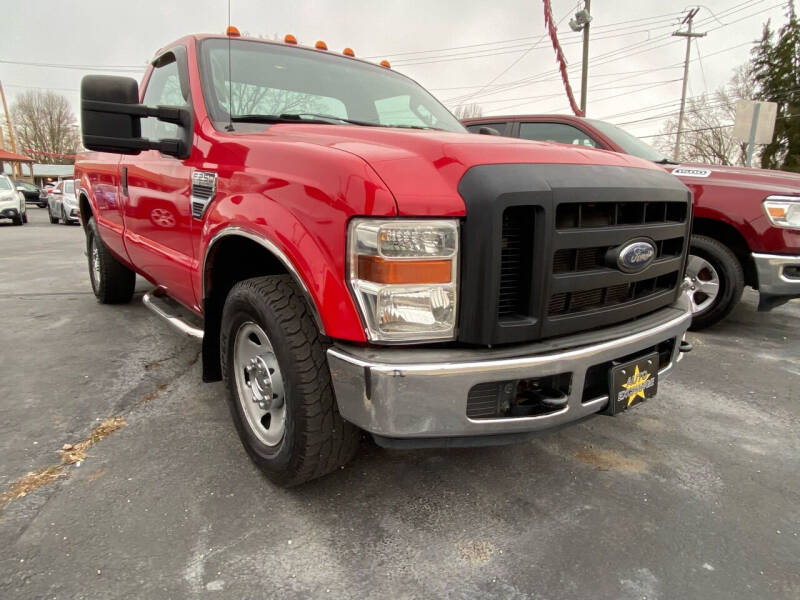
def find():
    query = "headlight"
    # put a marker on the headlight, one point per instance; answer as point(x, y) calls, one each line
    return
point(404, 276)
point(783, 211)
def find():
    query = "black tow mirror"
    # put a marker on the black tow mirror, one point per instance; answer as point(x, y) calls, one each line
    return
point(111, 118)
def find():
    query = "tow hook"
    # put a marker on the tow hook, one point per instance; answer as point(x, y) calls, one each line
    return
point(686, 346)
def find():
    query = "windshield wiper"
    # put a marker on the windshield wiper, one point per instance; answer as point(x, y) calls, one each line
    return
point(327, 118)
point(317, 118)
point(665, 161)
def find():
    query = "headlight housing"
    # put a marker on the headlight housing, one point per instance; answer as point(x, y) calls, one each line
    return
point(783, 211)
point(404, 277)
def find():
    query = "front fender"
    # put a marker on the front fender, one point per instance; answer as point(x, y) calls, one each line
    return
point(306, 229)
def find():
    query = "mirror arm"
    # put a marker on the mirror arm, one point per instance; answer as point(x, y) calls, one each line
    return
point(169, 114)
point(170, 147)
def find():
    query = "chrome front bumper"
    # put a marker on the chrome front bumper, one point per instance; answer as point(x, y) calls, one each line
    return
point(772, 274)
point(422, 393)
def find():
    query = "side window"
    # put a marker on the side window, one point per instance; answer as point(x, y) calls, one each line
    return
point(501, 127)
point(164, 87)
point(68, 187)
point(555, 132)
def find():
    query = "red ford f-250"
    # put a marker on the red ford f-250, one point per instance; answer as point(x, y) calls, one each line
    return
point(354, 260)
point(746, 227)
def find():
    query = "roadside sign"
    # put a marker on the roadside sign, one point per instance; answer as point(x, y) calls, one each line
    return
point(751, 113)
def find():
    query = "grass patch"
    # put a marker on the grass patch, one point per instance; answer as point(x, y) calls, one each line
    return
point(70, 454)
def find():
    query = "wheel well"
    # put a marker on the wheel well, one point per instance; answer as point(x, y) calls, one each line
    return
point(730, 236)
point(85, 209)
point(231, 260)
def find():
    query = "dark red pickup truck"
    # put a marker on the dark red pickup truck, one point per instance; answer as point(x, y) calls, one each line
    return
point(746, 228)
point(354, 260)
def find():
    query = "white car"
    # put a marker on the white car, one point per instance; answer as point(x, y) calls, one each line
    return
point(12, 202)
point(62, 203)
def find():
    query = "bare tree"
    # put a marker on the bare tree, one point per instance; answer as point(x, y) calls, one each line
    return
point(45, 127)
point(708, 124)
point(467, 111)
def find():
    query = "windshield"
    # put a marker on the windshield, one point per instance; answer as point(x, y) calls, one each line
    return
point(5, 184)
point(271, 81)
point(629, 143)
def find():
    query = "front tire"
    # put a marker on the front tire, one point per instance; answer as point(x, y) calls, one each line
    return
point(279, 386)
point(112, 282)
point(717, 281)
point(25, 217)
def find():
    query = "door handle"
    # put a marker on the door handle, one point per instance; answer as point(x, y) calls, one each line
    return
point(125, 181)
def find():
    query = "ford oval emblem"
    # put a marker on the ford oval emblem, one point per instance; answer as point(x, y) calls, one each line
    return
point(636, 256)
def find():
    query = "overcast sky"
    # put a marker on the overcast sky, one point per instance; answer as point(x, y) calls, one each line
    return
point(455, 49)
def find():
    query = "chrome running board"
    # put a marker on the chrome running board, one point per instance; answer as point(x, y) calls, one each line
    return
point(176, 315)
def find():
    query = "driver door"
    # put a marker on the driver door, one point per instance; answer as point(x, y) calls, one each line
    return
point(155, 190)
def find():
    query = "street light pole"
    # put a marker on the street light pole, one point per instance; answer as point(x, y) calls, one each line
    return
point(585, 63)
point(688, 35)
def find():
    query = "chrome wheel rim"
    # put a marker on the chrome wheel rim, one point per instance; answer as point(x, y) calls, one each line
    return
point(259, 384)
point(95, 258)
point(705, 284)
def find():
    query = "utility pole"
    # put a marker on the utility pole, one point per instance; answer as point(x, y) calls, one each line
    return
point(687, 20)
point(14, 166)
point(581, 23)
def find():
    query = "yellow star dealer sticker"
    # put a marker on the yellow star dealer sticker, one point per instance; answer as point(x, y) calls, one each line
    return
point(636, 383)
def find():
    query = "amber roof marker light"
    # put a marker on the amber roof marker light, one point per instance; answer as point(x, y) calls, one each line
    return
point(232, 31)
point(385, 63)
point(320, 45)
point(289, 39)
point(348, 52)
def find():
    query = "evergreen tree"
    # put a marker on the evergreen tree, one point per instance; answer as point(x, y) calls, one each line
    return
point(776, 67)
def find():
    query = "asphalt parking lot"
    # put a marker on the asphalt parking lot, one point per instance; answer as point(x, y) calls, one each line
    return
point(695, 494)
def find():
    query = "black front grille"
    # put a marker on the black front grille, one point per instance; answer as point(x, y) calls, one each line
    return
point(515, 262)
point(603, 214)
point(573, 302)
point(540, 260)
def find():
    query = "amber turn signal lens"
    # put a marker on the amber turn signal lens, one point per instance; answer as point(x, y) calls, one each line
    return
point(320, 45)
point(348, 52)
point(385, 63)
point(776, 211)
point(378, 270)
point(232, 31)
point(289, 39)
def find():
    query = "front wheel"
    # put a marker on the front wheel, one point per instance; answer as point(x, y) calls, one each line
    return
point(717, 281)
point(112, 282)
point(279, 386)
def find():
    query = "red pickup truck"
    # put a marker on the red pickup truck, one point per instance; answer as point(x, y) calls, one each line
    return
point(354, 260)
point(746, 228)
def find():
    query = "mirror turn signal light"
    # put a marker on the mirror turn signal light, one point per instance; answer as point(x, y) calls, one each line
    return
point(348, 52)
point(232, 31)
point(320, 45)
point(289, 39)
point(379, 270)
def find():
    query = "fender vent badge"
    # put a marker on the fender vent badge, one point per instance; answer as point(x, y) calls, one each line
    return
point(204, 187)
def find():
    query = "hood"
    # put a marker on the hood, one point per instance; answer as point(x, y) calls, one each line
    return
point(422, 168)
point(768, 181)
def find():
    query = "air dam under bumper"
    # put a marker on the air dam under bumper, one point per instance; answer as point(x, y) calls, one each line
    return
point(419, 394)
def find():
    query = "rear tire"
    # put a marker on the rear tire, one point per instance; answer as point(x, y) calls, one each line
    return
point(112, 282)
point(711, 261)
point(269, 342)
